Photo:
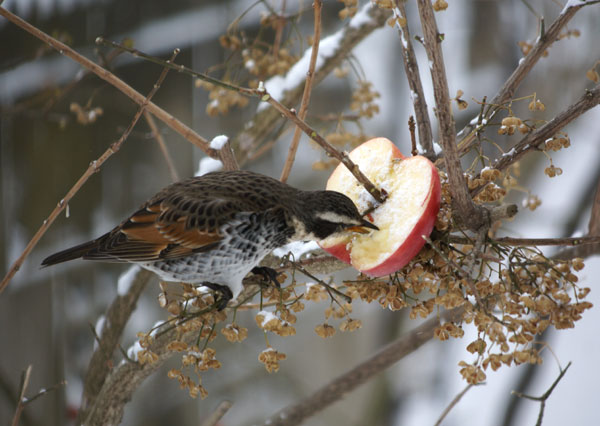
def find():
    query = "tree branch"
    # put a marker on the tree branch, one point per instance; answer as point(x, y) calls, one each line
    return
point(411, 68)
point(330, 150)
point(162, 145)
point(116, 316)
point(22, 389)
point(287, 167)
point(542, 399)
point(471, 215)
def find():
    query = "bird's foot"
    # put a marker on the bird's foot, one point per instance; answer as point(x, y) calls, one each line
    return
point(223, 294)
point(269, 274)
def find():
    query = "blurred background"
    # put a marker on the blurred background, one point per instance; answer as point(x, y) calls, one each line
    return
point(46, 314)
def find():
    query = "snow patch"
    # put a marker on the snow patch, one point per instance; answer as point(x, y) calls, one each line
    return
point(126, 280)
point(207, 165)
point(362, 17)
point(278, 85)
point(219, 142)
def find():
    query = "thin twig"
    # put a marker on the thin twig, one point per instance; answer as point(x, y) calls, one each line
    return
point(218, 414)
point(94, 167)
point(356, 376)
point(289, 162)
point(329, 288)
point(22, 389)
point(112, 79)
point(411, 68)
point(330, 150)
point(471, 215)
point(413, 141)
point(452, 404)
point(44, 391)
point(572, 241)
point(161, 144)
point(542, 399)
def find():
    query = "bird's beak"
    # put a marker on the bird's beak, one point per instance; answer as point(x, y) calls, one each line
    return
point(364, 228)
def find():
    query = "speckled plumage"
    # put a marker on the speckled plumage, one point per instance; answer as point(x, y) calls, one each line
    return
point(214, 229)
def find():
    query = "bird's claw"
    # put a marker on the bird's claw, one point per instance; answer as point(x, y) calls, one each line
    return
point(269, 274)
point(223, 294)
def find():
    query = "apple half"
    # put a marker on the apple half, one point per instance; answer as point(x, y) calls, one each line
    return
point(408, 213)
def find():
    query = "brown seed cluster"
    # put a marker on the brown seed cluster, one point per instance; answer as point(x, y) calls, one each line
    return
point(270, 358)
point(439, 5)
point(85, 114)
point(511, 124)
point(363, 100)
point(221, 99)
point(349, 10)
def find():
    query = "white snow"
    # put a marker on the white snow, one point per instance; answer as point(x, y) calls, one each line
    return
point(267, 316)
point(219, 142)
point(156, 327)
point(98, 328)
point(572, 3)
point(362, 17)
point(207, 165)
point(296, 248)
point(133, 350)
point(126, 279)
point(278, 85)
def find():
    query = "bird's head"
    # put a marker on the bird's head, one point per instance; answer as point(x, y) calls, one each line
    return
point(322, 214)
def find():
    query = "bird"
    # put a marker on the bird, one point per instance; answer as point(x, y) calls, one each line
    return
point(213, 230)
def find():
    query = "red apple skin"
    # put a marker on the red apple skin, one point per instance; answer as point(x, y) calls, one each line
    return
point(339, 250)
point(414, 241)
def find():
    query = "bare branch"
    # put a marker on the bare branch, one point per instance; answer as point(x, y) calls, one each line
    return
point(287, 167)
point(161, 144)
point(94, 167)
point(228, 157)
point(22, 389)
point(471, 215)
point(450, 406)
point(116, 316)
point(330, 150)
point(542, 399)
point(347, 382)
point(411, 68)
point(218, 414)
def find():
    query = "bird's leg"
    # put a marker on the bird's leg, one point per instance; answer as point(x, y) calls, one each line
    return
point(269, 274)
point(224, 294)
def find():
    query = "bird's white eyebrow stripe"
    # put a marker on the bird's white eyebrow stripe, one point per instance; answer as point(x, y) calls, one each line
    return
point(334, 217)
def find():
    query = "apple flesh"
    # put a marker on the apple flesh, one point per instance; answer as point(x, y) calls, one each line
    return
point(408, 213)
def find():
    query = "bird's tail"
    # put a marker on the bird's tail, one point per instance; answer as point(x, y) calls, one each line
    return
point(71, 253)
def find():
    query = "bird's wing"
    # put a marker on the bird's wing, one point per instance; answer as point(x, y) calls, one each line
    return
point(168, 228)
